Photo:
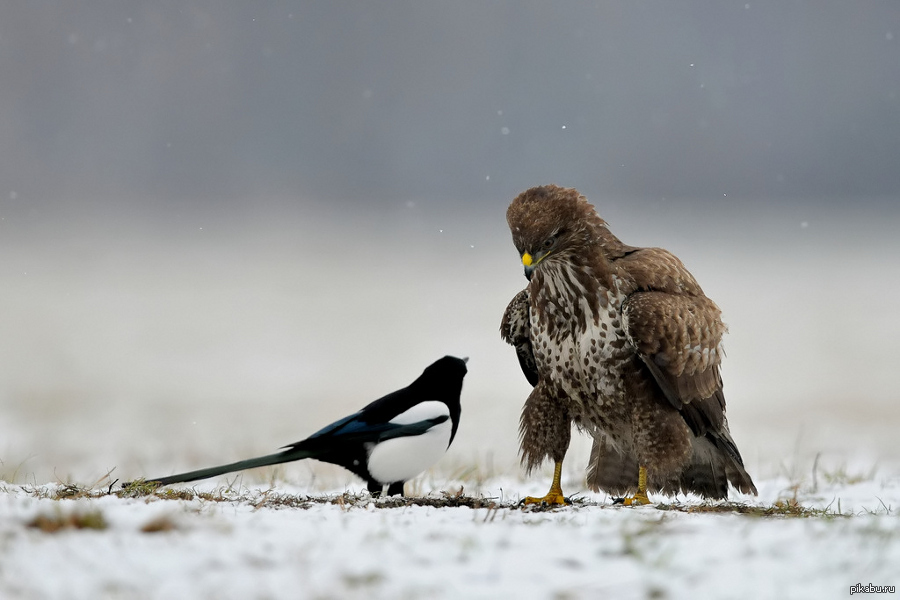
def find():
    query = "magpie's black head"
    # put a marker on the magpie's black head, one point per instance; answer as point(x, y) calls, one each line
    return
point(442, 379)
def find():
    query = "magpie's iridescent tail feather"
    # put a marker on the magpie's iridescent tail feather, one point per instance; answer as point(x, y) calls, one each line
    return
point(262, 461)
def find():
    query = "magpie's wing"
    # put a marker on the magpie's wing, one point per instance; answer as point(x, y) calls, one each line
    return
point(417, 428)
point(334, 428)
point(357, 428)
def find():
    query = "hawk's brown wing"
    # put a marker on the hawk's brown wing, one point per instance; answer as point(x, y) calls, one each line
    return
point(678, 338)
point(678, 335)
point(677, 331)
point(515, 330)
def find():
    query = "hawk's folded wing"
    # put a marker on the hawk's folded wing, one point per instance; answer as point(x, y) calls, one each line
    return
point(515, 330)
point(678, 336)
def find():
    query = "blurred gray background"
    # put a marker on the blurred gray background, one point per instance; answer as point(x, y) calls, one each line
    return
point(224, 224)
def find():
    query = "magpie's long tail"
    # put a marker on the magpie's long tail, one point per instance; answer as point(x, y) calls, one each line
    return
point(263, 461)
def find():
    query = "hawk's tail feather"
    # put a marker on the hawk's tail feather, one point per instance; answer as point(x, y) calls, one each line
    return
point(711, 469)
point(730, 460)
point(714, 464)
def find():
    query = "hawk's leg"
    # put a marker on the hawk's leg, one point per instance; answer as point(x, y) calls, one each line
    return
point(641, 496)
point(555, 495)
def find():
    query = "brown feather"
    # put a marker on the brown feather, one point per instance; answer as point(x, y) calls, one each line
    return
point(514, 330)
point(544, 428)
point(622, 341)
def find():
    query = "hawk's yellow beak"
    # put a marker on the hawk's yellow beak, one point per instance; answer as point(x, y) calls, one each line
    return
point(526, 259)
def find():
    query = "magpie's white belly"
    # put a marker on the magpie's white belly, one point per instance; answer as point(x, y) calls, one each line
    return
point(401, 459)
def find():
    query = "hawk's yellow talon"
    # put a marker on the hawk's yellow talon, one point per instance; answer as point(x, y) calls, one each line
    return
point(636, 500)
point(555, 496)
point(640, 496)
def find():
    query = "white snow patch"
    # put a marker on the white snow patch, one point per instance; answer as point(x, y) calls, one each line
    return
point(235, 550)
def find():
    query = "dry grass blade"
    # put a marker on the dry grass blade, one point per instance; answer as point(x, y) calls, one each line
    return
point(53, 523)
point(159, 524)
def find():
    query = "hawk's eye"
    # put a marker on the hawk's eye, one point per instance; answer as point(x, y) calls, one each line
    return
point(549, 242)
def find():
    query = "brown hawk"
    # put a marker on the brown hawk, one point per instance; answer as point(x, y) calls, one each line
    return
point(622, 342)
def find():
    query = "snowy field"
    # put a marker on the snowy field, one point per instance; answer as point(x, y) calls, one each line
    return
point(135, 348)
point(794, 541)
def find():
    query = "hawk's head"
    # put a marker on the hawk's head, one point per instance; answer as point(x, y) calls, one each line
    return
point(551, 221)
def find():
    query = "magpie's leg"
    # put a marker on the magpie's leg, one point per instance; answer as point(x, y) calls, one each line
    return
point(396, 488)
point(375, 488)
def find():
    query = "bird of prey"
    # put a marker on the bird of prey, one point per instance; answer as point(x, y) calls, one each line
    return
point(622, 342)
point(387, 443)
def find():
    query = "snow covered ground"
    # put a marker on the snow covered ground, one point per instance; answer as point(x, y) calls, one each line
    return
point(137, 349)
point(276, 543)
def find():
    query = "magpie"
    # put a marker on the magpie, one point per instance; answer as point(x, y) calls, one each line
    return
point(387, 443)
